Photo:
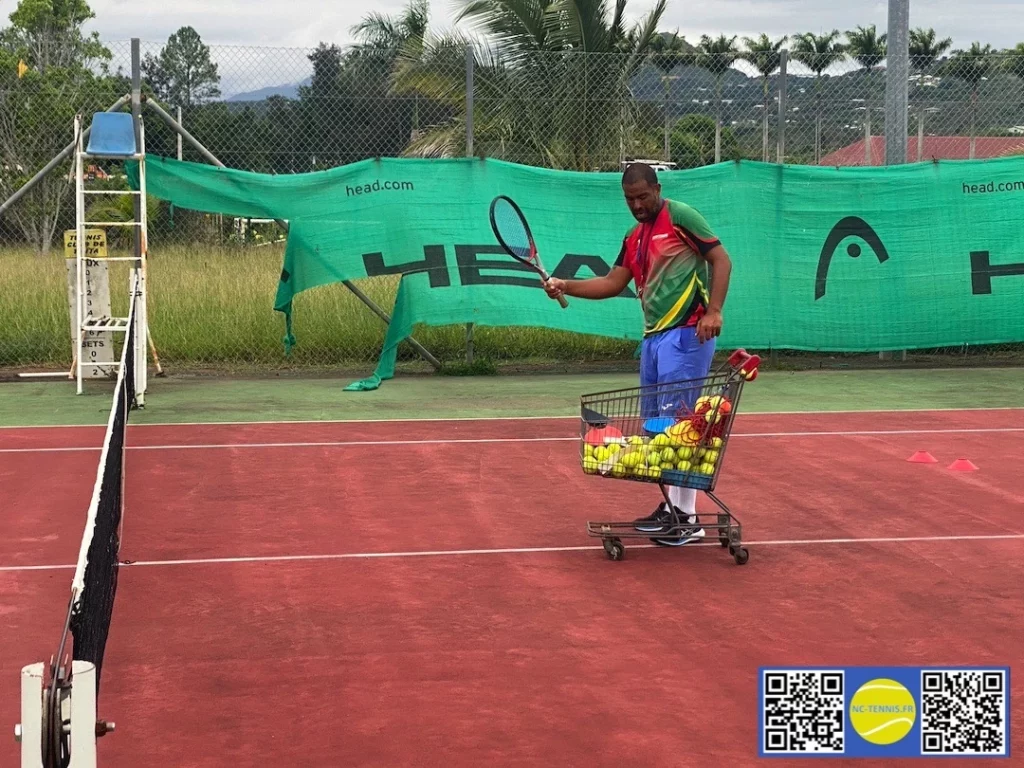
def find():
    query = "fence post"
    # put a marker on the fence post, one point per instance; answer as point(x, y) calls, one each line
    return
point(783, 83)
point(470, 87)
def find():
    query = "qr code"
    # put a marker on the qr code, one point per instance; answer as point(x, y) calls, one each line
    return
point(803, 712)
point(963, 712)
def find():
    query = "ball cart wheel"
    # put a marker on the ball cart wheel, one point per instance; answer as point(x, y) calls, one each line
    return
point(614, 549)
point(741, 555)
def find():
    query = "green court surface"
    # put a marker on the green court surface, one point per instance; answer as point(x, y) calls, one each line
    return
point(190, 400)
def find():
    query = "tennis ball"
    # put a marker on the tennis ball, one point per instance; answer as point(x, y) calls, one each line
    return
point(717, 443)
point(618, 470)
point(707, 469)
point(590, 465)
point(667, 465)
point(613, 449)
point(711, 457)
point(660, 440)
point(882, 711)
point(654, 472)
point(588, 450)
point(685, 452)
point(668, 455)
point(654, 458)
point(684, 466)
point(635, 440)
point(631, 459)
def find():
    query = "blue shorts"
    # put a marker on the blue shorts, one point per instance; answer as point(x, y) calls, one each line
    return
point(674, 355)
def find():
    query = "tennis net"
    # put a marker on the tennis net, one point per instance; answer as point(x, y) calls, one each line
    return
point(95, 581)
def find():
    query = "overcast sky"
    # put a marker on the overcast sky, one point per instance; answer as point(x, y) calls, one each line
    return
point(304, 23)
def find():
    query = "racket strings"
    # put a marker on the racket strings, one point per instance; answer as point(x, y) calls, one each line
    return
point(512, 231)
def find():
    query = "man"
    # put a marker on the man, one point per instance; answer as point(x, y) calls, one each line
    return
point(666, 255)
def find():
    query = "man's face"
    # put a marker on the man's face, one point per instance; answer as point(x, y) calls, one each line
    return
point(643, 199)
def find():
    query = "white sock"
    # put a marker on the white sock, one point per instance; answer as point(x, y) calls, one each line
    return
point(684, 498)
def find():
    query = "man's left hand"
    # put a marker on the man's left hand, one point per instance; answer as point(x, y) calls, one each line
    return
point(709, 326)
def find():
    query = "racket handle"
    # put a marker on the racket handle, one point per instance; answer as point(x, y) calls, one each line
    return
point(563, 302)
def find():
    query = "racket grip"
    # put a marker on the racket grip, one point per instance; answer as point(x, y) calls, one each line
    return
point(563, 302)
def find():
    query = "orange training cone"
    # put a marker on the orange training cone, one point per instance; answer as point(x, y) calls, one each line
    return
point(962, 465)
point(923, 457)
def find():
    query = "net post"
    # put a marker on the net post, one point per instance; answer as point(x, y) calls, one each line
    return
point(30, 731)
point(83, 715)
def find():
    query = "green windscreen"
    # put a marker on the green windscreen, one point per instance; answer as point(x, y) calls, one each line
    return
point(835, 259)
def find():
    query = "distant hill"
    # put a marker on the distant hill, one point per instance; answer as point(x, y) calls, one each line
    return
point(288, 90)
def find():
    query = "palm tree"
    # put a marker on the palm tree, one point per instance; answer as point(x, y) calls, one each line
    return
point(867, 48)
point(766, 56)
point(818, 53)
point(717, 56)
point(381, 39)
point(925, 50)
point(377, 32)
point(668, 51)
point(551, 84)
point(972, 66)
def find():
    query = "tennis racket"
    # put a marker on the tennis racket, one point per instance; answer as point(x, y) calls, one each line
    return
point(513, 233)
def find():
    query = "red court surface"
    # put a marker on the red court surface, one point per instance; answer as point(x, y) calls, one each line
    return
point(424, 593)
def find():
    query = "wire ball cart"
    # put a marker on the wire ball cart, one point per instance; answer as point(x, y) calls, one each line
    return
point(672, 434)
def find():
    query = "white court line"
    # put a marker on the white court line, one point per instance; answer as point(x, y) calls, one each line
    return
point(444, 419)
point(457, 441)
point(512, 551)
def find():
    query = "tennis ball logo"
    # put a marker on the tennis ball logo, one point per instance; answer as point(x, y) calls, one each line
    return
point(882, 711)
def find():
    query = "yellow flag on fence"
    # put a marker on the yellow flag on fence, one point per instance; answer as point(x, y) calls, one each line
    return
point(22, 69)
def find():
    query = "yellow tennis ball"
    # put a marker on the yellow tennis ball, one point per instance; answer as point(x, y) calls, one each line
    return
point(654, 458)
point(660, 440)
point(684, 452)
point(590, 465)
point(654, 472)
point(717, 443)
point(711, 457)
point(668, 455)
point(618, 470)
point(882, 711)
point(707, 469)
point(613, 449)
point(635, 440)
point(588, 450)
point(631, 459)
point(684, 466)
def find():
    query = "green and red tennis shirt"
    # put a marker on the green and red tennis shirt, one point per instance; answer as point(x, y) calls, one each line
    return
point(670, 273)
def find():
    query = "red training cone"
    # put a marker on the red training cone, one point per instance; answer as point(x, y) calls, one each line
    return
point(923, 457)
point(962, 465)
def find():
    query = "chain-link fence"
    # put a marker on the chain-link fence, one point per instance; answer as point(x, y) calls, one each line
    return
point(293, 110)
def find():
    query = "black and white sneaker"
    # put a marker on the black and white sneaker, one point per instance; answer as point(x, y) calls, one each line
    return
point(656, 522)
point(676, 536)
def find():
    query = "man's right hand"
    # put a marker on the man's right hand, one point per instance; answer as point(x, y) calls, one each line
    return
point(555, 287)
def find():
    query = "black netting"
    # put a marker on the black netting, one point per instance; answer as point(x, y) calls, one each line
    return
point(93, 609)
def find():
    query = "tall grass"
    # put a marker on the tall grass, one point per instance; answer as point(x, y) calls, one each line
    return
point(212, 307)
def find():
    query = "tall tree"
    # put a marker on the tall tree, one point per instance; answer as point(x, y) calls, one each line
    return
point(818, 53)
point(669, 50)
point(38, 104)
point(717, 55)
point(867, 48)
point(183, 74)
point(972, 66)
point(925, 50)
point(766, 56)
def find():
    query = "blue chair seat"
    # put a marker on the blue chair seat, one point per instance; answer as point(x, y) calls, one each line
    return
point(113, 134)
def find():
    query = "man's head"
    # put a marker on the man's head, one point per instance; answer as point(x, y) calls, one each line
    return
point(642, 190)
